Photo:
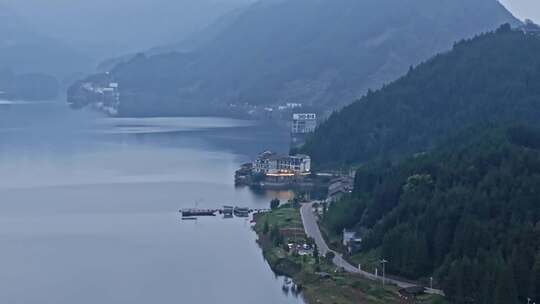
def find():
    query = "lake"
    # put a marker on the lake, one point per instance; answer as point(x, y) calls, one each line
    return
point(89, 209)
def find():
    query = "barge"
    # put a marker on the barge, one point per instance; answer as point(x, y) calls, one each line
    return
point(198, 212)
point(241, 212)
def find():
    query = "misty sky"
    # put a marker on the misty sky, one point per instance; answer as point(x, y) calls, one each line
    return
point(524, 8)
point(521, 8)
point(93, 26)
point(116, 27)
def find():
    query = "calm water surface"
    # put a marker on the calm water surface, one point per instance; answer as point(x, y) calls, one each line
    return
point(88, 209)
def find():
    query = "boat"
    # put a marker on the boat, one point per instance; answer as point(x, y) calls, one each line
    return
point(198, 212)
point(241, 211)
point(228, 210)
point(184, 218)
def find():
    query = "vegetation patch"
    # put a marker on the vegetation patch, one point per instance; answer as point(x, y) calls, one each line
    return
point(466, 214)
point(318, 279)
point(491, 78)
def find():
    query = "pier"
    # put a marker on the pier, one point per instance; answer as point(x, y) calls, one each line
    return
point(198, 212)
point(226, 210)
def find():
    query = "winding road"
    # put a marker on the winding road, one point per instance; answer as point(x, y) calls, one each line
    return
point(311, 227)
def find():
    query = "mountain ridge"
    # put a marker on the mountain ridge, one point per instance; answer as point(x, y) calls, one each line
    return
point(465, 214)
point(487, 78)
point(26, 50)
point(313, 52)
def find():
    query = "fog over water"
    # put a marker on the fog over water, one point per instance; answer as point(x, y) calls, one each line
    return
point(89, 209)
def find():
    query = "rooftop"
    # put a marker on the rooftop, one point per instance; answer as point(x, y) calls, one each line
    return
point(530, 27)
point(305, 116)
point(275, 156)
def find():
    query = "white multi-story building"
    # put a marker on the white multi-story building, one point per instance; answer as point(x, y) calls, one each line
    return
point(300, 163)
point(304, 123)
point(273, 164)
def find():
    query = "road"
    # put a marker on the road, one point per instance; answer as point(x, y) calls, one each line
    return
point(312, 230)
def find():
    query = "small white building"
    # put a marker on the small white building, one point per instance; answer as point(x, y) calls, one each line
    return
point(340, 187)
point(348, 236)
point(300, 163)
point(293, 105)
point(530, 28)
point(352, 241)
point(304, 123)
point(261, 165)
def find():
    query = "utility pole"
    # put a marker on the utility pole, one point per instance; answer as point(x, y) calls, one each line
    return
point(383, 262)
point(431, 284)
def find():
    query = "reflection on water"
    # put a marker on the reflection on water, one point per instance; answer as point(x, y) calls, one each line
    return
point(168, 124)
point(88, 209)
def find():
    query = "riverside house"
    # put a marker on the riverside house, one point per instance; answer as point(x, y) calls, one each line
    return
point(352, 241)
point(272, 164)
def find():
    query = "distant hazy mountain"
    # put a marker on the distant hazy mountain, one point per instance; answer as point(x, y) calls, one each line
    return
point(190, 43)
point(24, 49)
point(108, 28)
point(317, 52)
point(31, 86)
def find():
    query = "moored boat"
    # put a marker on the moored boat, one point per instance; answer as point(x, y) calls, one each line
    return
point(241, 211)
point(198, 212)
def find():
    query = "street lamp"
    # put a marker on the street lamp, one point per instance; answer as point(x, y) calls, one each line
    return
point(383, 262)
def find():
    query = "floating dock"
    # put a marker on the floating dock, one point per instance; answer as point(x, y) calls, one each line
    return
point(227, 211)
point(198, 212)
point(241, 211)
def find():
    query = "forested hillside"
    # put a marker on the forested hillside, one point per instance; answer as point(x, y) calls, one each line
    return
point(468, 213)
point(316, 52)
point(493, 77)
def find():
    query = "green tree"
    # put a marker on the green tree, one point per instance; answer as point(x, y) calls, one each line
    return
point(275, 235)
point(316, 253)
point(295, 203)
point(535, 281)
point(505, 292)
point(266, 227)
point(274, 204)
point(330, 256)
point(522, 271)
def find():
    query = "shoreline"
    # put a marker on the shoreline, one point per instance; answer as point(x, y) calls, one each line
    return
point(317, 278)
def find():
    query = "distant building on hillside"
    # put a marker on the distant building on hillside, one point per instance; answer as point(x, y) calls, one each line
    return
point(304, 123)
point(352, 241)
point(530, 28)
point(106, 98)
point(340, 187)
point(290, 106)
point(273, 164)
